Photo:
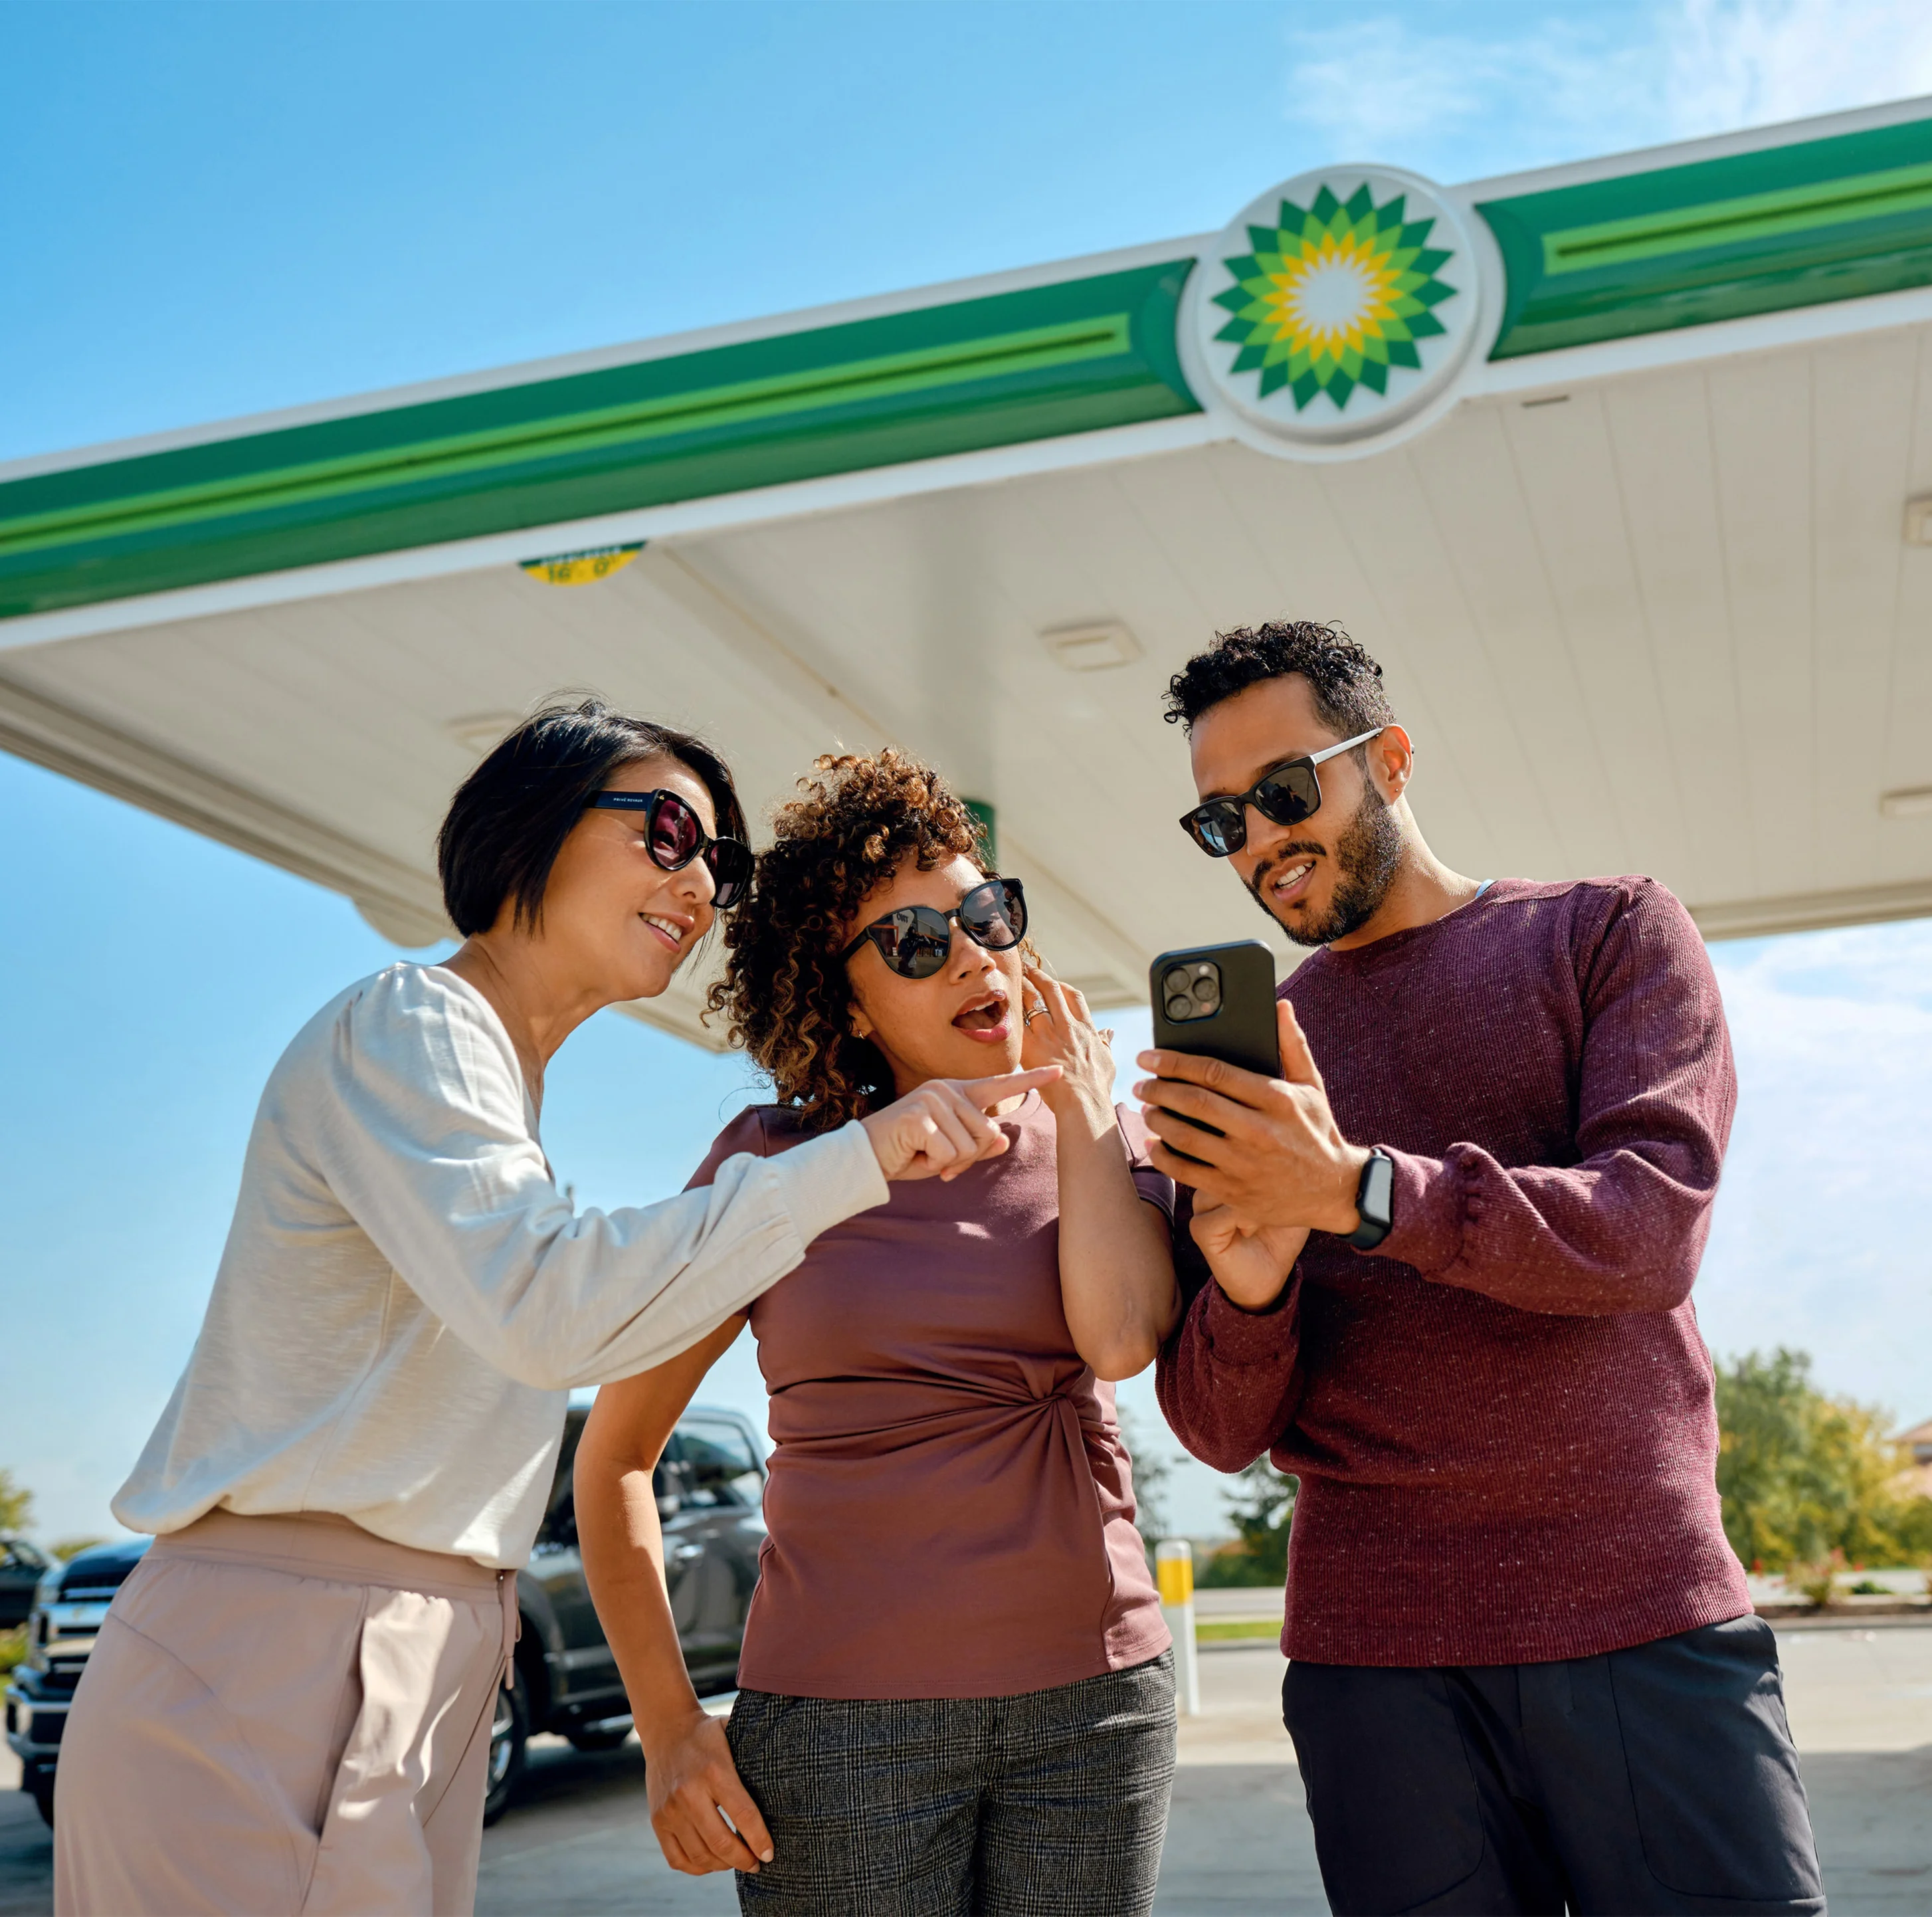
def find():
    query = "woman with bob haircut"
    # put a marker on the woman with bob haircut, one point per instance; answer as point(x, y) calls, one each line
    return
point(956, 1690)
point(289, 1706)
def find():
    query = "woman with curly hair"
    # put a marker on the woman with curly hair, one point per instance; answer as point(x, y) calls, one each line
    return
point(957, 1693)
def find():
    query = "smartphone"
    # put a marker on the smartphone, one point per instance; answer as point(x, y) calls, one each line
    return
point(1217, 1001)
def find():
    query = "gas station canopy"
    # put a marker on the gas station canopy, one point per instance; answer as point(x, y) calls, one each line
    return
point(1624, 470)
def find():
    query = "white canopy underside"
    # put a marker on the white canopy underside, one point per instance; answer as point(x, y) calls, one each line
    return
point(1662, 622)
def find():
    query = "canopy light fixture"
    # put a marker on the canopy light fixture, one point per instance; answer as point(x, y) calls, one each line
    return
point(1912, 802)
point(1092, 648)
point(1918, 521)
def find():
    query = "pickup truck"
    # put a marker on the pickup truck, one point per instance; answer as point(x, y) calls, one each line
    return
point(710, 1492)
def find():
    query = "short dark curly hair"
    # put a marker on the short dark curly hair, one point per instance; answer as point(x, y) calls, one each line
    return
point(785, 986)
point(1346, 682)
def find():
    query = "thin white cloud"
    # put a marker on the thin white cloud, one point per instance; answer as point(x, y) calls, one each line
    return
point(1570, 85)
point(1382, 88)
point(1748, 63)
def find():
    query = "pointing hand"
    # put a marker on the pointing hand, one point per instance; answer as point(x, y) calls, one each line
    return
point(942, 1129)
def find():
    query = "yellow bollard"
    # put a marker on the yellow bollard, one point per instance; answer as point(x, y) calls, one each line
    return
point(1174, 1569)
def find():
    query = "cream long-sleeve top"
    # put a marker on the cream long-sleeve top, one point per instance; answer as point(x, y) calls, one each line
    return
point(406, 1298)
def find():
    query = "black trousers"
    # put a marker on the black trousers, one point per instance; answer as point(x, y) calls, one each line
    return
point(1660, 1779)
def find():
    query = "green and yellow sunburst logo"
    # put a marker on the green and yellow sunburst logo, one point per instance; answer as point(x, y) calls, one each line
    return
point(1333, 295)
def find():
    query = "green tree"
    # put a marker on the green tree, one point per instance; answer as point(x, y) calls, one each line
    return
point(16, 1502)
point(1803, 1475)
point(1261, 1503)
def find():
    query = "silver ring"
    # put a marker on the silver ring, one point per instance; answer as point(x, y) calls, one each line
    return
point(1038, 1012)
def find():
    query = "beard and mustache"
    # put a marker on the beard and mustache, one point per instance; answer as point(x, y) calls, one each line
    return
point(1368, 853)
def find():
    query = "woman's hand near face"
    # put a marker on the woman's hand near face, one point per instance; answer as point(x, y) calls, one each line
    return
point(1059, 1030)
point(942, 1129)
point(1250, 1263)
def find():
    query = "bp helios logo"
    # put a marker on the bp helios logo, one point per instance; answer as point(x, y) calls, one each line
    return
point(1336, 306)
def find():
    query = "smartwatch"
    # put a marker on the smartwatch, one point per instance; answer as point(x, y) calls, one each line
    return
point(1374, 1199)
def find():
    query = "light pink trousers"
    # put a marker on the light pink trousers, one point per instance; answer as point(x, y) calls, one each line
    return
point(284, 1715)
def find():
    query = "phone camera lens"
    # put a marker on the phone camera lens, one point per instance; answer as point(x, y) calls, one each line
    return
point(1208, 991)
point(1176, 980)
point(1179, 1008)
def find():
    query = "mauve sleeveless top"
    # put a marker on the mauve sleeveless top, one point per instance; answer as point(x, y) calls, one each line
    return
point(950, 1506)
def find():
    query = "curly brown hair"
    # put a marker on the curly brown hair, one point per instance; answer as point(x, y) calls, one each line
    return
point(785, 985)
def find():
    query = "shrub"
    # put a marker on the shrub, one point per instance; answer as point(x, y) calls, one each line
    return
point(1816, 1582)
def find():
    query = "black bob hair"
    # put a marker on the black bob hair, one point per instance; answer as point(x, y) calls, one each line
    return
point(511, 816)
point(1345, 683)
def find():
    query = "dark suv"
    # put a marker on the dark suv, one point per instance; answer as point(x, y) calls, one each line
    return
point(710, 1492)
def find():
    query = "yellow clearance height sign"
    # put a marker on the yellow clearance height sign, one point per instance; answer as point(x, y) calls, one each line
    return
point(582, 568)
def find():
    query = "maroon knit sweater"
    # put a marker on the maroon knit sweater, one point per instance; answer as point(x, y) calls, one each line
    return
point(1502, 1418)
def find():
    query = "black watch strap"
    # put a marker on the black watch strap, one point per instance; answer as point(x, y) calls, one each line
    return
point(1374, 1199)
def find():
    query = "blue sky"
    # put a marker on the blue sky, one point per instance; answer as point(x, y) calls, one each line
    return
point(213, 210)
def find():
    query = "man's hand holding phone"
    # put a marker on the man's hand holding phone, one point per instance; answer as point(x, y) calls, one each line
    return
point(1281, 1160)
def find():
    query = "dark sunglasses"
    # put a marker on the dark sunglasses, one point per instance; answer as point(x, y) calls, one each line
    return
point(675, 836)
point(916, 939)
point(1287, 795)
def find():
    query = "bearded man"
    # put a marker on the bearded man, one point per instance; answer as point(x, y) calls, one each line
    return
point(1525, 1673)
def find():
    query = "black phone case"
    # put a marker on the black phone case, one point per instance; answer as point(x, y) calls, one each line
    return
point(1241, 1029)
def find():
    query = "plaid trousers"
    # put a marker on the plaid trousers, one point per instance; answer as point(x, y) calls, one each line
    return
point(1051, 1804)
